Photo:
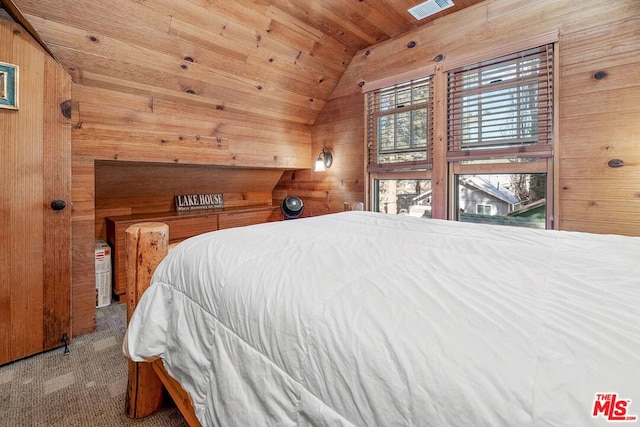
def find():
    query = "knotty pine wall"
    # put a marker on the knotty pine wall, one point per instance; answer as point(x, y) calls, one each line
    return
point(599, 120)
point(339, 128)
point(133, 150)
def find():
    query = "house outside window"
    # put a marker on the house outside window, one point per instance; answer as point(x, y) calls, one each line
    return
point(506, 199)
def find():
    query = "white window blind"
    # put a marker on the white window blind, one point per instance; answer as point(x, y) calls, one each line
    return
point(502, 107)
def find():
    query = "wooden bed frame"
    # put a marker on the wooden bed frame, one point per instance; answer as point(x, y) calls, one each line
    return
point(146, 245)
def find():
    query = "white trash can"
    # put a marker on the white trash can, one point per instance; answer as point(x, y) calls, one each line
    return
point(103, 273)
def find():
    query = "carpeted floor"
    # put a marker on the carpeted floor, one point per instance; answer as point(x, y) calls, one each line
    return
point(86, 387)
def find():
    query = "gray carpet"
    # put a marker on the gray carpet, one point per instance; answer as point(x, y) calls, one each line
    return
point(86, 387)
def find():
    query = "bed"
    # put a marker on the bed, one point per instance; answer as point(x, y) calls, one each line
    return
point(366, 319)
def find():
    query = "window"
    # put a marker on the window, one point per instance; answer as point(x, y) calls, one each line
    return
point(398, 125)
point(494, 161)
point(403, 196)
point(398, 145)
point(503, 105)
point(499, 139)
point(507, 199)
point(483, 209)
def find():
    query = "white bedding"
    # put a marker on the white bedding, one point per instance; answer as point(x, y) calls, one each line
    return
point(365, 319)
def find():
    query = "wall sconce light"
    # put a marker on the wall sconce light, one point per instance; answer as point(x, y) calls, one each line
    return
point(324, 161)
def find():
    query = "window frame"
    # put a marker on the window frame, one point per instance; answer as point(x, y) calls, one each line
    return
point(537, 166)
point(420, 170)
point(373, 112)
point(375, 202)
point(483, 206)
point(444, 165)
point(458, 123)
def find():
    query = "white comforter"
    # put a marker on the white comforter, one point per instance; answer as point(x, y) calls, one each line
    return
point(364, 319)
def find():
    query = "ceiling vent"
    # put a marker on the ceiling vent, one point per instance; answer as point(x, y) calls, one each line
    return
point(429, 8)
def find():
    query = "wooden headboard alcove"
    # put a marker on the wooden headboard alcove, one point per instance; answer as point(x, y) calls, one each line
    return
point(132, 188)
point(131, 192)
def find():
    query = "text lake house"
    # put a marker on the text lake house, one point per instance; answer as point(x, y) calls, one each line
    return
point(199, 201)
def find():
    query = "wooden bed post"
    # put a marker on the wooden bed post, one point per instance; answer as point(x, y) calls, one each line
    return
point(146, 245)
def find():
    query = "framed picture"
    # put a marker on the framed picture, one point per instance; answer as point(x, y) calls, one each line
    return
point(8, 86)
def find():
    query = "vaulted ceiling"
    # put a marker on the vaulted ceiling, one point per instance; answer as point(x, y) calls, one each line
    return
point(278, 59)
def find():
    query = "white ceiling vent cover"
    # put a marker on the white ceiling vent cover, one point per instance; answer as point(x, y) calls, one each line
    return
point(429, 8)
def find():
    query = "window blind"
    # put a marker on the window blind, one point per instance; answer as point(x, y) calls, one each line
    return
point(399, 126)
point(502, 106)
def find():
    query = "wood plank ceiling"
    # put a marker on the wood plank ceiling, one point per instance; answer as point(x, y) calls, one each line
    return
point(273, 59)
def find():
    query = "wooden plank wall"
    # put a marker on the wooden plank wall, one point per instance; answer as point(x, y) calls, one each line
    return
point(132, 124)
point(154, 140)
point(340, 129)
point(165, 132)
point(83, 301)
point(599, 120)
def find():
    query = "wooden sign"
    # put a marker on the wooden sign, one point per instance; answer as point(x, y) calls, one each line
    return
point(188, 202)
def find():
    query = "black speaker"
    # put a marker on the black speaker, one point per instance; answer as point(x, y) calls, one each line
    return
point(292, 207)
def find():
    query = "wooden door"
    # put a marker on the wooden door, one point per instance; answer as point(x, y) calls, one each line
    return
point(35, 170)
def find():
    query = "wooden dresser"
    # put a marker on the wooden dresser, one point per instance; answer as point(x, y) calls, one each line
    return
point(182, 225)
